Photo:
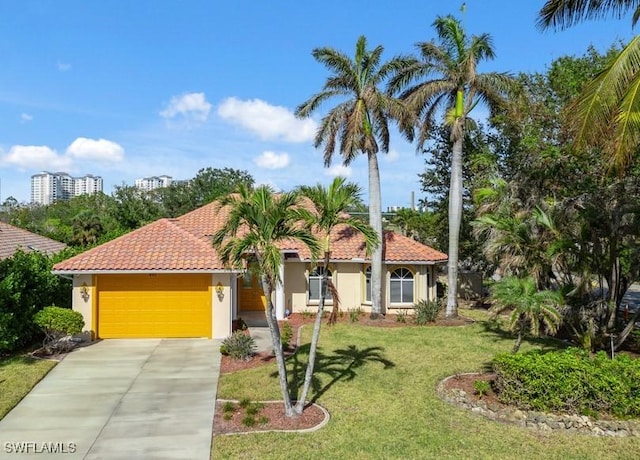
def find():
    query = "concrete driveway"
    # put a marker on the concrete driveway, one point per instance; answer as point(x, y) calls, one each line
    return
point(116, 399)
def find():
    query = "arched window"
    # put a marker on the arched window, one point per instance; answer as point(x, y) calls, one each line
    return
point(401, 286)
point(315, 283)
point(367, 284)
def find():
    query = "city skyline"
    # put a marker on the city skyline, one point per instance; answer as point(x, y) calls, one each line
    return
point(47, 187)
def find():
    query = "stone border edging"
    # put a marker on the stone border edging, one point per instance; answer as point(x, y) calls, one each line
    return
point(320, 425)
point(541, 421)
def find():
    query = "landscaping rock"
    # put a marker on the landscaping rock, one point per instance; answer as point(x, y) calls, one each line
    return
point(542, 422)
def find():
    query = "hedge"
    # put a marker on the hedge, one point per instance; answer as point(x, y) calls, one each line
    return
point(570, 380)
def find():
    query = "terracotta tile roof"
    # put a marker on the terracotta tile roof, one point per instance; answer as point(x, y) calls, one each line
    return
point(12, 238)
point(161, 245)
point(184, 243)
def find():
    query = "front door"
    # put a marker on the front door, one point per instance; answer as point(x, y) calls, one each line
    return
point(251, 294)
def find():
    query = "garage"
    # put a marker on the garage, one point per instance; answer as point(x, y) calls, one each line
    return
point(154, 306)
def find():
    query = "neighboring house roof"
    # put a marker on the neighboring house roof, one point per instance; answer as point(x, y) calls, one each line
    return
point(184, 244)
point(14, 238)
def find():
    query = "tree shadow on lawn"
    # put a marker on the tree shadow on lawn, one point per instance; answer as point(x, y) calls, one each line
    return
point(493, 329)
point(341, 365)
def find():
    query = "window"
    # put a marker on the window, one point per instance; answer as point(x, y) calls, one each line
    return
point(367, 284)
point(315, 283)
point(401, 286)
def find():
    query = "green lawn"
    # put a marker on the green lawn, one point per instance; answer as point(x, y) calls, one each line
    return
point(379, 386)
point(18, 374)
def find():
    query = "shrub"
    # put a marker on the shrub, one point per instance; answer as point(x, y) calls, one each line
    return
point(239, 346)
point(354, 314)
point(569, 381)
point(254, 409)
point(482, 388)
point(58, 323)
point(228, 406)
point(26, 285)
point(401, 316)
point(286, 334)
point(426, 311)
point(249, 421)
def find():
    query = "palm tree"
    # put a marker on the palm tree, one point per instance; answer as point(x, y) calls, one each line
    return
point(605, 115)
point(565, 13)
point(331, 205)
point(257, 223)
point(359, 124)
point(445, 79)
point(87, 228)
point(530, 308)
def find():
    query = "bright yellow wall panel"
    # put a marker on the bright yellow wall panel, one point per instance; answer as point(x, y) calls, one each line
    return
point(154, 306)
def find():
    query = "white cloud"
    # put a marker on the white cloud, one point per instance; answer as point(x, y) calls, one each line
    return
point(190, 106)
point(272, 160)
point(63, 67)
point(42, 157)
point(25, 117)
point(338, 170)
point(35, 157)
point(391, 156)
point(96, 150)
point(267, 121)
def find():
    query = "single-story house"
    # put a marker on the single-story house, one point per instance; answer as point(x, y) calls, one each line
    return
point(166, 280)
point(14, 238)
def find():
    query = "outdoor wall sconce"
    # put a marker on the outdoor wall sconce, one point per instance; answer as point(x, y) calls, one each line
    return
point(220, 291)
point(84, 292)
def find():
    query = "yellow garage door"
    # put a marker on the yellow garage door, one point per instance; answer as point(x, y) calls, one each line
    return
point(154, 306)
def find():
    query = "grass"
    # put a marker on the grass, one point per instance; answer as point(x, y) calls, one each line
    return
point(379, 386)
point(18, 374)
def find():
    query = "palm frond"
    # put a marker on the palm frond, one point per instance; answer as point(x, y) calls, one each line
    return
point(561, 14)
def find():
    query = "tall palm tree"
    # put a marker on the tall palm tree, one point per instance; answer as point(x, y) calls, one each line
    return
point(359, 124)
point(258, 222)
point(606, 114)
point(530, 309)
point(331, 205)
point(445, 79)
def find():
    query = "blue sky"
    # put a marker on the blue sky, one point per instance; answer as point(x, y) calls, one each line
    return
point(127, 89)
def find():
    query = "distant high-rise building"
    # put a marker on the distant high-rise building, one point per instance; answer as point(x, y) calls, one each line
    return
point(47, 188)
point(153, 182)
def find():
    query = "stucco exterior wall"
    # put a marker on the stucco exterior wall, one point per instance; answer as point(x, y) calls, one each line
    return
point(350, 282)
point(222, 305)
point(295, 286)
point(85, 304)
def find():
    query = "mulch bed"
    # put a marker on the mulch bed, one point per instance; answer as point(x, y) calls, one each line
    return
point(270, 418)
point(465, 382)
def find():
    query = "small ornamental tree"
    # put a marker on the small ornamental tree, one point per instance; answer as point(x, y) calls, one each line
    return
point(58, 323)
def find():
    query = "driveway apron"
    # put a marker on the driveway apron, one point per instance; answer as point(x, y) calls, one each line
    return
point(117, 399)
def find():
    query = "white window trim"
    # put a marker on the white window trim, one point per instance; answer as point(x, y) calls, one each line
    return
point(315, 302)
point(401, 304)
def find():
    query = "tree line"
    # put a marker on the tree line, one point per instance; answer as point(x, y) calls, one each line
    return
point(87, 220)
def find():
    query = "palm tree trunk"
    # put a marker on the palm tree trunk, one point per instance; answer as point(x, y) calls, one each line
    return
point(314, 338)
point(516, 346)
point(375, 221)
point(455, 220)
point(277, 348)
